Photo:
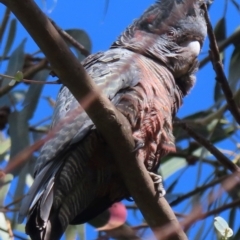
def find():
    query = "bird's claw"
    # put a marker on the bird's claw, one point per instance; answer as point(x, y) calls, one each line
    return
point(158, 183)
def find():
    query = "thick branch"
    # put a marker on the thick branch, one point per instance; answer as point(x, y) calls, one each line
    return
point(113, 126)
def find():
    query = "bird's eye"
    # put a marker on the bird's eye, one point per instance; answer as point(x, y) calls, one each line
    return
point(171, 33)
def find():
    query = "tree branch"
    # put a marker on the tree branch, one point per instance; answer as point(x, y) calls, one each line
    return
point(233, 39)
point(210, 147)
point(197, 190)
point(113, 126)
point(29, 72)
point(71, 40)
point(218, 67)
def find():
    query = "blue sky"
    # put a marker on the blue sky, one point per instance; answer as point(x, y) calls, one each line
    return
point(103, 28)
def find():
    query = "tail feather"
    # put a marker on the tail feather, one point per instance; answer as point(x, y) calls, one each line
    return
point(38, 189)
point(47, 201)
point(64, 190)
point(52, 231)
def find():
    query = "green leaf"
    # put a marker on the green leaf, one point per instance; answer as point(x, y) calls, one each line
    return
point(15, 96)
point(11, 37)
point(81, 230)
point(218, 94)
point(5, 146)
point(16, 60)
point(33, 95)
point(18, 76)
point(81, 37)
point(15, 64)
point(73, 231)
point(3, 224)
point(220, 30)
point(5, 183)
point(70, 232)
point(218, 133)
point(232, 216)
point(18, 130)
point(170, 167)
point(234, 69)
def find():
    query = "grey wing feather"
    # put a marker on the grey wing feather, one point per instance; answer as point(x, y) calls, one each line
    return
point(112, 72)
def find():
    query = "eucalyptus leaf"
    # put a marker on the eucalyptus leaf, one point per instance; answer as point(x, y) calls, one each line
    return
point(5, 146)
point(81, 231)
point(5, 183)
point(75, 230)
point(81, 37)
point(3, 223)
point(220, 30)
point(170, 167)
point(33, 95)
point(71, 232)
point(15, 96)
point(18, 76)
point(15, 64)
point(16, 60)
point(232, 216)
point(18, 130)
point(11, 37)
point(234, 69)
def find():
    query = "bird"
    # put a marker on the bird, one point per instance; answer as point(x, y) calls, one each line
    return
point(145, 73)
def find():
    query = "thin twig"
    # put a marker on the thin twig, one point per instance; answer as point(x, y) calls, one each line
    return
point(41, 121)
point(195, 191)
point(19, 199)
point(210, 147)
point(4, 22)
point(138, 227)
point(221, 209)
point(198, 214)
point(218, 67)
point(5, 210)
point(71, 40)
point(37, 130)
point(30, 81)
point(234, 38)
point(30, 71)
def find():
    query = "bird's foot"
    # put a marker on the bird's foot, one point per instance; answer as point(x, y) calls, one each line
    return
point(158, 183)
